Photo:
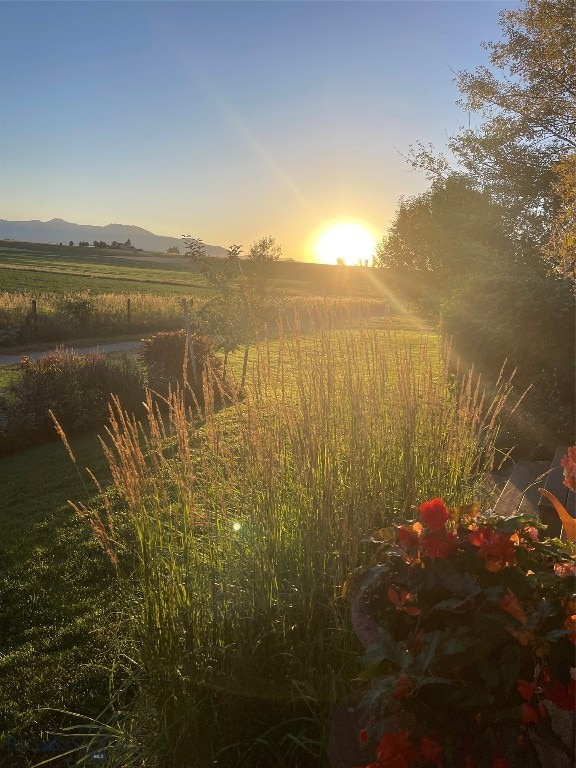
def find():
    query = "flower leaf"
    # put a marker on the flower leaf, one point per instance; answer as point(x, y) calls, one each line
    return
point(429, 651)
point(385, 650)
point(451, 604)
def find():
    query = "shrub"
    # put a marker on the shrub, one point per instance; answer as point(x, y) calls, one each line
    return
point(527, 319)
point(77, 389)
point(168, 364)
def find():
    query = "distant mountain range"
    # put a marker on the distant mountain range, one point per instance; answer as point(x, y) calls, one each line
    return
point(60, 231)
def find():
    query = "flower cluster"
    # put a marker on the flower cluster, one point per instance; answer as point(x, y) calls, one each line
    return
point(469, 622)
point(569, 465)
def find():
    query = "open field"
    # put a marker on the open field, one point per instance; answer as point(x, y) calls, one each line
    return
point(37, 267)
point(34, 266)
point(60, 293)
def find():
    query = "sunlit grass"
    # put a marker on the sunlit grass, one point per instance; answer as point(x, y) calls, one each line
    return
point(234, 534)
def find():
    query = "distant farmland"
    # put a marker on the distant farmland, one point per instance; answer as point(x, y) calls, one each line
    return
point(33, 267)
point(36, 267)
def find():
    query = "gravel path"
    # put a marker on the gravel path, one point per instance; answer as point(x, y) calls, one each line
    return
point(119, 346)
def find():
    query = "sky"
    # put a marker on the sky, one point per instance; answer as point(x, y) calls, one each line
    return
point(228, 121)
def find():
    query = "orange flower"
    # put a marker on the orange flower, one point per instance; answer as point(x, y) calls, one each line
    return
point(510, 603)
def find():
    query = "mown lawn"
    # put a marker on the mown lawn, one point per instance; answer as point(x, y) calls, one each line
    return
point(56, 592)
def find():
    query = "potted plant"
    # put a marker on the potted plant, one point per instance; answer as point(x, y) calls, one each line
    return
point(469, 626)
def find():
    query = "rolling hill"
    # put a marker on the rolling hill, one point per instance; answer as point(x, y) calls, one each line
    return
point(60, 231)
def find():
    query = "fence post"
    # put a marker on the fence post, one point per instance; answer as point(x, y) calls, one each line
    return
point(128, 310)
point(188, 328)
point(33, 316)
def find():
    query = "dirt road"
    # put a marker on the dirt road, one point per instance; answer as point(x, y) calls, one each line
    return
point(119, 346)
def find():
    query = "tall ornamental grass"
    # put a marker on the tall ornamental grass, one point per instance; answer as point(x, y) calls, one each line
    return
point(60, 316)
point(233, 534)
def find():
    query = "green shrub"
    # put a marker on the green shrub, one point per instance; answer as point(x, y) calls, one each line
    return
point(77, 389)
point(527, 319)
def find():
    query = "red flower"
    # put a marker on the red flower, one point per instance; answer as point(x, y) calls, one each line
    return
point(528, 714)
point(431, 751)
point(363, 736)
point(395, 750)
point(404, 685)
point(493, 547)
point(439, 543)
point(434, 514)
point(563, 696)
point(526, 689)
point(407, 538)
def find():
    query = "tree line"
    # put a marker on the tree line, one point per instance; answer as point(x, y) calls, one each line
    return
point(127, 246)
point(496, 231)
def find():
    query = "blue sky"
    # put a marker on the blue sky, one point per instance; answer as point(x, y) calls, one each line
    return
point(228, 120)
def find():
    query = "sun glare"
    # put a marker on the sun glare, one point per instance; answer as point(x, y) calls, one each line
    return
point(347, 242)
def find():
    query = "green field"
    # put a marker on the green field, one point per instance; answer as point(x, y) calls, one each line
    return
point(40, 267)
point(36, 267)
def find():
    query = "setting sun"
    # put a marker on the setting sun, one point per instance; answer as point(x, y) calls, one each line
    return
point(345, 241)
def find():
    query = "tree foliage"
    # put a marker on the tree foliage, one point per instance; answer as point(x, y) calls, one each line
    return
point(561, 245)
point(449, 230)
point(527, 104)
point(195, 249)
point(501, 232)
point(265, 249)
point(234, 251)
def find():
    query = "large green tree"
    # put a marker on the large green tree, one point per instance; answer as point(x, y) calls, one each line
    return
point(526, 101)
point(561, 245)
point(450, 230)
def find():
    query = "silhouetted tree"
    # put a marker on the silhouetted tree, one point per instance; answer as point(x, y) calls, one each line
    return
point(265, 249)
point(450, 230)
point(234, 251)
point(195, 248)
